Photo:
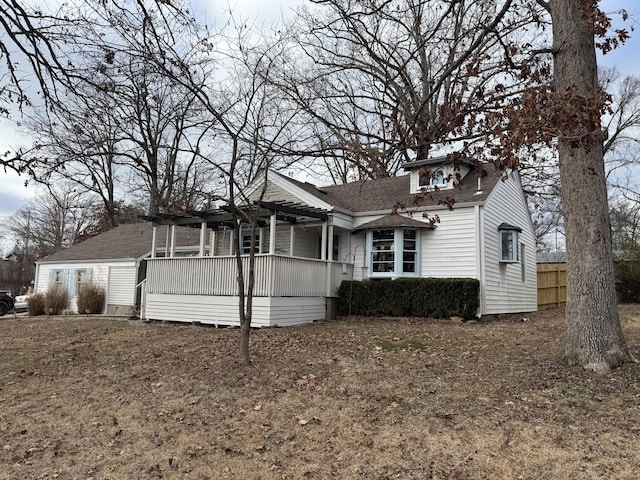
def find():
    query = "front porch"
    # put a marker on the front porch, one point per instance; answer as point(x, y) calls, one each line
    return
point(287, 291)
point(299, 286)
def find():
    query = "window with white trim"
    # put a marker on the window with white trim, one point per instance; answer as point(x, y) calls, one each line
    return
point(83, 278)
point(58, 279)
point(383, 251)
point(436, 179)
point(508, 243)
point(394, 252)
point(409, 251)
point(245, 246)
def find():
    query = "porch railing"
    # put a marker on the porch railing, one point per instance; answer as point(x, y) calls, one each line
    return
point(275, 275)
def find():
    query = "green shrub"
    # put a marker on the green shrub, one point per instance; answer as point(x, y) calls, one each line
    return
point(55, 301)
point(91, 298)
point(415, 297)
point(628, 282)
point(627, 270)
point(35, 305)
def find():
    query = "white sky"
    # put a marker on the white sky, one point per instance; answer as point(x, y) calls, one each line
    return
point(13, 194)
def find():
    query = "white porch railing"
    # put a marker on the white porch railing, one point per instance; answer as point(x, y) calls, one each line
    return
point(275, 276)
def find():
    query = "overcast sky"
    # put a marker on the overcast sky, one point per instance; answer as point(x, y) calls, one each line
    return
point(13, 194)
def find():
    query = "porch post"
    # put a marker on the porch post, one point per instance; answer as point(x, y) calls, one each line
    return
point(292, 237)
point(167, 242)
point(323, 243)
point(172, 252)
point(231, 241)
point(154, 241)
point(203, 237)
point(212, 243)
point(329, 265)
point(272, 235)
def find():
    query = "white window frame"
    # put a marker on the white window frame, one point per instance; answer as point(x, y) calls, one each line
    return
point(436, 179)
point(58, 279)
point(504, 255)
point(245, 250)
point(396, 251)
point(82, 277)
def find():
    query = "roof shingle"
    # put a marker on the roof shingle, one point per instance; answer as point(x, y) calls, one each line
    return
point(383, 193)
point(128, 241)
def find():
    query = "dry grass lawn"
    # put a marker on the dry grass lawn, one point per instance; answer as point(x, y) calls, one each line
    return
point(97, 398)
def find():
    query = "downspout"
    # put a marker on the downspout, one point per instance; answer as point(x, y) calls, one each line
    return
point(479, 230)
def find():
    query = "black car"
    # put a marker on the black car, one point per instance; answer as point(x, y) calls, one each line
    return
point(6, 302)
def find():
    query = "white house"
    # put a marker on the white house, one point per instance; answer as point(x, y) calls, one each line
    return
point(311, 239)
point(114, 260)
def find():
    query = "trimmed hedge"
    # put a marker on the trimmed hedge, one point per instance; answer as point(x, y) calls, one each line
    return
point(410, 297)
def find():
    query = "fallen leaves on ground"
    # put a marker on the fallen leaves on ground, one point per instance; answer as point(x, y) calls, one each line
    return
point(356, 398)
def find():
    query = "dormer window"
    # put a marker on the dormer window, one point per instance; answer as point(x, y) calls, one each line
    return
point(435, 174)
point(436, 179)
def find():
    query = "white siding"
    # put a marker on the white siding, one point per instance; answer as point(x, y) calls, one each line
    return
point(99, 274)
point(449, 250)
point(121, 292)
point(306, 243)
point(504, 290)
point(275, 193)
point(358, 243)
point(223, 310)
point(283, 238)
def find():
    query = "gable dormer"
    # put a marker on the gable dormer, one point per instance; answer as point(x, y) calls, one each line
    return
point(432, 173)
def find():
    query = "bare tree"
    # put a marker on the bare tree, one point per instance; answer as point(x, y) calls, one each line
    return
point(226, 74)
point(79, 145)
point(390, 81)
point(40, 52)
point(50, 222)
point(545, 95)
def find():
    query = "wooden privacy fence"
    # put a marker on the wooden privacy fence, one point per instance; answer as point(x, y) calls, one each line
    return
point(552, 285)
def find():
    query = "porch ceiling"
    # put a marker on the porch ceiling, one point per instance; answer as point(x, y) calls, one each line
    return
point(286, 211)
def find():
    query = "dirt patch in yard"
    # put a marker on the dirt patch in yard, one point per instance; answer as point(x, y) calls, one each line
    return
point(98, 398)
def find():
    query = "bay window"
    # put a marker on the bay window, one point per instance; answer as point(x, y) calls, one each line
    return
point(508, 243)
point(394, 252)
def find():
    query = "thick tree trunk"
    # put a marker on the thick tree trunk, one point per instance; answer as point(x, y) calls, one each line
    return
point(594, 338)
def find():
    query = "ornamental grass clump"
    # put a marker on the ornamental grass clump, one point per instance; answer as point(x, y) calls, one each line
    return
point(56, 301)
point(35, 305)
point(91, 298)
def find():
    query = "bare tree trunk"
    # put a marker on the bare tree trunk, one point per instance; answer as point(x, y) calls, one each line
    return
point(594, 337)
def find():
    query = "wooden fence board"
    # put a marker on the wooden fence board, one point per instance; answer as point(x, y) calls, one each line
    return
point(552, 285)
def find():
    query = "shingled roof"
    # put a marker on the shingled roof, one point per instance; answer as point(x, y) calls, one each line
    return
point(393, 221)
point(383, 193)
point(125, 242)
